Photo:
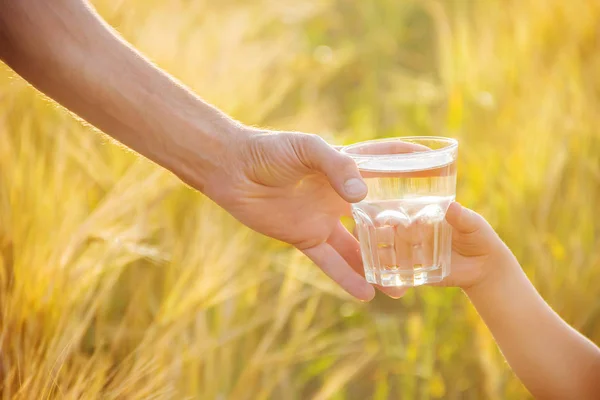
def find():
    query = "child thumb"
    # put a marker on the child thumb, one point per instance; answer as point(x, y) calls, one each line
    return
point(463, 219)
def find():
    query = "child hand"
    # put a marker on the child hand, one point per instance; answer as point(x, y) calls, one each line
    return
point(478, 253)
point(552, 359)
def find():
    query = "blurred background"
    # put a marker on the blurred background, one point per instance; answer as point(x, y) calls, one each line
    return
point(118, 282)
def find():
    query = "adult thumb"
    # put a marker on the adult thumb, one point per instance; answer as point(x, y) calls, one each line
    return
point(340, 169)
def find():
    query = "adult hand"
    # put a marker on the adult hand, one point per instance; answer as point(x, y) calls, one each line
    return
point(294, 187)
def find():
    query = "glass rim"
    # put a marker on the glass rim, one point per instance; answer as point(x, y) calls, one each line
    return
point(452, 144)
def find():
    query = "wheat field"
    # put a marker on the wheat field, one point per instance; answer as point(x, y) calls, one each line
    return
point(118, 282)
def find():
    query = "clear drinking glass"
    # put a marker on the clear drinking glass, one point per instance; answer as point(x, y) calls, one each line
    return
point(404, 237)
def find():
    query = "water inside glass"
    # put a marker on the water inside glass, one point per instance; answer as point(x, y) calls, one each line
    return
point(404, 237)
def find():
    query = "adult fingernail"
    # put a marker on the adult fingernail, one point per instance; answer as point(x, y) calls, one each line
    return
point(355, 187)
point(395, 293)
point(368, 295)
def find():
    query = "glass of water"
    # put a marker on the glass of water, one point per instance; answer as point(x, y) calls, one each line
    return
point(404, 237)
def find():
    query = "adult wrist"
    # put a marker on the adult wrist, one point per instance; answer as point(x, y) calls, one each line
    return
point(201, 150)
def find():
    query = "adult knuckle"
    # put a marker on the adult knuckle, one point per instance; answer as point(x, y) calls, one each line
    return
point(312, 141)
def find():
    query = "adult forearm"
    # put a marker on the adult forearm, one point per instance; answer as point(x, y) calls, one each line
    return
point(65, 50)
point(551, 359)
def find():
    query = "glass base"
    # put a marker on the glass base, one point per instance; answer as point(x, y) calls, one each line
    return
point(391, 278)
